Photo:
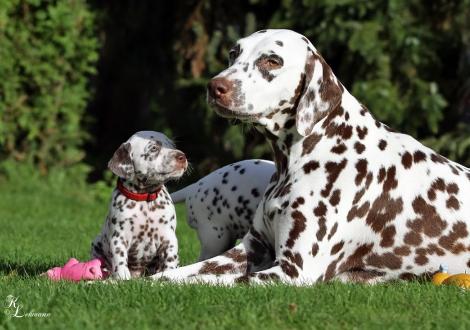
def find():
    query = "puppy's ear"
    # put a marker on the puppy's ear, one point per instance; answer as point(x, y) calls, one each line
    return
point(320, 93)
point(121, 163)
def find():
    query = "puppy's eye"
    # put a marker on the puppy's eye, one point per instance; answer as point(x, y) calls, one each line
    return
point(154, 148)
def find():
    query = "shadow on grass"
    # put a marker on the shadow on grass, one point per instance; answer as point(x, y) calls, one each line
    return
point(24, 269)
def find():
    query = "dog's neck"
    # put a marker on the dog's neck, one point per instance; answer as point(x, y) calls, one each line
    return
point(140, 188)
point(339, 123)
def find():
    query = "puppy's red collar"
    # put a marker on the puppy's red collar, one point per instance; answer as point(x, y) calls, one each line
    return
point(140, 197)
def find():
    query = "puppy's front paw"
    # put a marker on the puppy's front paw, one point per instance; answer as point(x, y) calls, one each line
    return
point(122, 273)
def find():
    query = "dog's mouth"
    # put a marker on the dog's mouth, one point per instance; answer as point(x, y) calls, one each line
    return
point(158, 178)
point(173, 174)
point(225, 112)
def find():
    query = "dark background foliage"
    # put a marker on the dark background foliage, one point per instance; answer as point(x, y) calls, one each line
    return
point(79, 77)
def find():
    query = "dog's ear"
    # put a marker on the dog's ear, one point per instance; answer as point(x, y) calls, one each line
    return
point(121, 163)
point(320, 93)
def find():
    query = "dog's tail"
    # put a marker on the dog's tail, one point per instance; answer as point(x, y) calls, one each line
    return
point(182, 194)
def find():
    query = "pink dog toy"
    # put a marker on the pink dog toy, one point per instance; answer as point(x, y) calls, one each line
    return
point(76, 271)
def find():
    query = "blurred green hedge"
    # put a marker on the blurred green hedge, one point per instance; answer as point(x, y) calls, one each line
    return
point(407, 61)
point(48, 50)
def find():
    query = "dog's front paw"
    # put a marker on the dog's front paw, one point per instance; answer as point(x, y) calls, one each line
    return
point(122, 273)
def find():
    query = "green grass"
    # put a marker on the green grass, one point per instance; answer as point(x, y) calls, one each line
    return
point(43, 223)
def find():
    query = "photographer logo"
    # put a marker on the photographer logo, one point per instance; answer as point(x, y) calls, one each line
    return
point(14, 309)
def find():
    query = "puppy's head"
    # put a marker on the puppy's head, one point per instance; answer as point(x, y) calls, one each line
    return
point(148, 158)
point(274, 70)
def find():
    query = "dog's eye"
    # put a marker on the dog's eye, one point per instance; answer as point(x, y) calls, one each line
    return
point(233, 54)
point(274, 62)
point(269, 62)
point(154, 148)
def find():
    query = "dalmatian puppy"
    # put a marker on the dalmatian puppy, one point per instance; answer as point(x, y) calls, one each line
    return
point(221, 205)
point(351, 199)
point(139, 232)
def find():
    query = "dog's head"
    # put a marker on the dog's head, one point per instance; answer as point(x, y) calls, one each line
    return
point(148, 158)
point(271, 72)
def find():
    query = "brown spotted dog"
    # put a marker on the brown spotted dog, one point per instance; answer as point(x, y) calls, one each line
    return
point(351, 199)
point(139, 232)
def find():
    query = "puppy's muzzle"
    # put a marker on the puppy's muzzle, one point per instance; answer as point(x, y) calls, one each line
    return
point(181, 161)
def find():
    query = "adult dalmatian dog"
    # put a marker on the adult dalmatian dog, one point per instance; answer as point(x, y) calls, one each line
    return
point(351, 199)
point(221, 205)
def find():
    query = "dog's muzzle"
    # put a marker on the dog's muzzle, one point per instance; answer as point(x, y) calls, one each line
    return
point(220, 91)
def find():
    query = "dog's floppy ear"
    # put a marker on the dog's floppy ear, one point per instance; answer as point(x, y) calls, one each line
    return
point(320, 93)
point(121, 162)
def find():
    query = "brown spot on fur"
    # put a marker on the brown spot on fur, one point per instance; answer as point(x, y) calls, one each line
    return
point(236, 255)
point(333, 230)
point(434, 249)
point(361, 132)
point(330, 270)
point(321, 229)
point(407, 160)
point(358, 212)
point(213, 267)
point(359, 147)
point(329, 90)
point(310, 166)
point(314, 249)
point(388, 236)
point(336, 112)
point(273, 277)
point(298, 227)
point(438, 159)
point(452, 188)
point(343, 131)
point(420, 257)
point(390, 182)
point(419, 156)
point(361, 168)
point(298, 201)
point(295, 258)
point(452, 203)
point(381, 176)
point(449, 241)
point(402, 250)
point(383, 210)
point(413, 238)
point(320, 210)
point(335, 197)
point(336, 248)
point(309, 143)
point(333, 169)
point(339, 148)
point(382, 144)
point(359, 195)
point(356, 260)
point(430, 222)
point(386, 260)
point(289, 269)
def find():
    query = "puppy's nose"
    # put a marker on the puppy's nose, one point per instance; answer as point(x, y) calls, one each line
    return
point(180, 157)
point(219, 87)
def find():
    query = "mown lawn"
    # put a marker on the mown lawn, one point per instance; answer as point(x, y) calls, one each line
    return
point(44, 222)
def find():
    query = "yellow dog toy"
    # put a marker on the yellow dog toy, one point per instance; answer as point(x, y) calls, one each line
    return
point(442, 277)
